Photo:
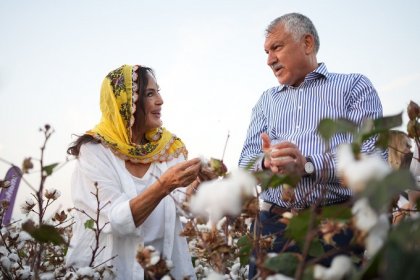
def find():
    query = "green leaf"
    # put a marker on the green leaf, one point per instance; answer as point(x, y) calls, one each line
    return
point(380, 193)
point(379, 126)
point(89, 224)
point(328, 127)
point(316, 249)
point(298, 226)
point(404, 263)
point(284, 263)
point(49, 168)
point(339, 212)
point(406, 234)
point(308, 274)
point(245, 249)
point(269, 180)
point(44, 233)
point(387, 123)
point(382, 141)
point(372, 269)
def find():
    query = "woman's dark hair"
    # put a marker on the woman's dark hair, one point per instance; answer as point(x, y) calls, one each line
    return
point(74, 149)
point(142, 82)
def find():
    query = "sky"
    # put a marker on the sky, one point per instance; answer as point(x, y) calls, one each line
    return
point(208, 57)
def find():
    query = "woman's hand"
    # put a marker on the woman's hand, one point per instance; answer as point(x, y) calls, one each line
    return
point(206, 174)
point(181, 174)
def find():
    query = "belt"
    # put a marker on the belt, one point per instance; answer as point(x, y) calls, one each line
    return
point(278, 210)
point(275, 209)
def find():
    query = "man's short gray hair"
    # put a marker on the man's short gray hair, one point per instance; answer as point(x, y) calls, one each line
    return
point(297, 24)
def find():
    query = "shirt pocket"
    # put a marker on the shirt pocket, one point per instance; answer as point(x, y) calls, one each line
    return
point(334, 105)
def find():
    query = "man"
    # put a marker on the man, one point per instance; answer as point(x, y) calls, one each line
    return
point(282, 134)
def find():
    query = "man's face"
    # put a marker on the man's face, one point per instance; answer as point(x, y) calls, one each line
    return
point(287, 58)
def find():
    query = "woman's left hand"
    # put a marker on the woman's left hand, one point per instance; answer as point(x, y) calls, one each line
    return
point(207, 174)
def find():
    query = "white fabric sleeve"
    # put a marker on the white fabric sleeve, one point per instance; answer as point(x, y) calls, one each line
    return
point(96, 164)
point(415, 164)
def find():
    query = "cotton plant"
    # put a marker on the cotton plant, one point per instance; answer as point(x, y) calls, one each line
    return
point(358, 173)
point(214, 239)
point(341, 268)
point(373, 227)
point(153, 263)
point(35, 246)
point(82, 273)
point(215, 276)
point(279, 277)
point(218, 198)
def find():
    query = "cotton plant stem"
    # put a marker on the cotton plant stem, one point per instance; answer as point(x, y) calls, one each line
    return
point(224, 149)
point(308, 239)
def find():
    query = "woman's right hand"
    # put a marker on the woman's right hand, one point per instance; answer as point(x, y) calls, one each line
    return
point(181, 174)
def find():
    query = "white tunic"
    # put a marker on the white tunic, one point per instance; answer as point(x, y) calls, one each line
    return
point(120, 236)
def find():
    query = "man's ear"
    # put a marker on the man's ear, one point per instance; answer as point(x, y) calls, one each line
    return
point(309, 42)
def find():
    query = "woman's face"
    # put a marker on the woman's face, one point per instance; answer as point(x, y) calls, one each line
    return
point(152, 105)
point(406, 145)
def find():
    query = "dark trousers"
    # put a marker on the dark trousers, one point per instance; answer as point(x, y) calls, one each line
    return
point(269, 224)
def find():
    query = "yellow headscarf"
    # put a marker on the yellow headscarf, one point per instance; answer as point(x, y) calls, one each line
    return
point(119, 94)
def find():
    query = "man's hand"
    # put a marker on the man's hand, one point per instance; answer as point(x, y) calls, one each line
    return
point(282, 158)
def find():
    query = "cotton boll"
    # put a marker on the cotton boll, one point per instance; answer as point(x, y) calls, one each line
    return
point(85, 271)
point(183, 219)
point(14, 257)
point(357, 174)
point(341, 266)
point(24, 273)
point(345, 157)
point(211, 200)
point(365, 217)
point(24, 236)
point(234, 271)
point(218, 198)
point(47, 276)
point(169, 264)
point(204, 161)
point(5, 262)
point(3, 251)
point(377, 235)
point(244, 180)
point(221, 223)
point(278, 277)
point(370, 168)
point(150, 248)
point(215, 276)
point(154, 259)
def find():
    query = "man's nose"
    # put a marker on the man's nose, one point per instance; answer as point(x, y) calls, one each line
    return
point(271, 58)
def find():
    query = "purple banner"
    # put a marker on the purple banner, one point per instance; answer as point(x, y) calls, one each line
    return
point(13, 175)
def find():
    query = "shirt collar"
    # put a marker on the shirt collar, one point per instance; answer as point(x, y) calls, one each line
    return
point(320, 72)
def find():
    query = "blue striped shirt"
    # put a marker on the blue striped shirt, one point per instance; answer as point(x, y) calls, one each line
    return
point(293, 113)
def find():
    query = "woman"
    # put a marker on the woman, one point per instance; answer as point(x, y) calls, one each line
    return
point(400, 157)
point(139, 168)
point(399, 152)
